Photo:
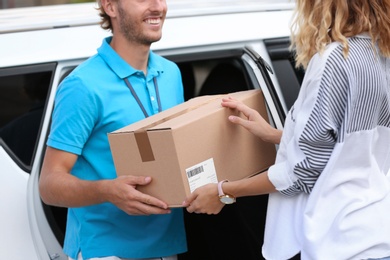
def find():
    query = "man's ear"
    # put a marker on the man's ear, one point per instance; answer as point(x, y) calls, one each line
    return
point(109, 7)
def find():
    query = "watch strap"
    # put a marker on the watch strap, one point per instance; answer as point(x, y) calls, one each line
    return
point(220, 190)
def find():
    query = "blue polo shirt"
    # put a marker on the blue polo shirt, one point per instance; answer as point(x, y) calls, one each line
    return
point(90, 103)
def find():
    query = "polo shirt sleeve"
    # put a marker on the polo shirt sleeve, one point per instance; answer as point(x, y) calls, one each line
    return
point(74, 116)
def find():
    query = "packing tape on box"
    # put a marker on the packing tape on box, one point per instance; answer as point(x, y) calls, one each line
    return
point(142, 138)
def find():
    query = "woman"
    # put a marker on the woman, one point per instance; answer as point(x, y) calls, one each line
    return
point(330, 184)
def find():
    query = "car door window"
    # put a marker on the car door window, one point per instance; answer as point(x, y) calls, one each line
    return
point(283, 62)
point(22, 102)
point(259, 71)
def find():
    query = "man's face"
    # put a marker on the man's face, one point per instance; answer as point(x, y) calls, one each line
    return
point(141, 21)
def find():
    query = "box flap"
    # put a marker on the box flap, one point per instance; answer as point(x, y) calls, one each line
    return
point(183, 113)
point(166, 115)
point(202, 110)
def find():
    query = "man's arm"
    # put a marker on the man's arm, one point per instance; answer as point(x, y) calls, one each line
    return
point(60, 188)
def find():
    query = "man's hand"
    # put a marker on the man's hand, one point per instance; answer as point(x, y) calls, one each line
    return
point(60, 188)
point(123, 193)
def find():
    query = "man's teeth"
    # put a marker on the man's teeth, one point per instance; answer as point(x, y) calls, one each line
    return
point(153, 21)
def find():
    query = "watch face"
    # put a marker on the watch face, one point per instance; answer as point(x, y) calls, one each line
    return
point(227, 199)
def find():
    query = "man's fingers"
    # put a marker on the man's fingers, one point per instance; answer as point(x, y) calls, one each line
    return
point(139, 208)
point(139, 180)
point(147, 201)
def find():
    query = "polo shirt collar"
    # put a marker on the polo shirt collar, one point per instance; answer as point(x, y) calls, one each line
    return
point(120, 67)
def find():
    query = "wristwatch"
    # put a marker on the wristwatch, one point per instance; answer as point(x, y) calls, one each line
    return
point(225, 198)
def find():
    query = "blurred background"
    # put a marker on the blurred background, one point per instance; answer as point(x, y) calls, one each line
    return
point(8, 4)
point(5, 4)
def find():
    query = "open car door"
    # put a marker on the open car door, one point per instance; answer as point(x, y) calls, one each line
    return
point(258, 70)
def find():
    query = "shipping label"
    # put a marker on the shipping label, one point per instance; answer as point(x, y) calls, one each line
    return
point(201, 174)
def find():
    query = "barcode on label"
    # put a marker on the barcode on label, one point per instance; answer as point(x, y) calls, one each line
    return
point(195, 171)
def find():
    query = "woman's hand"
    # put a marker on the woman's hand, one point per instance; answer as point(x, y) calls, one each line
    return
point(204, 199)
point(254, 122)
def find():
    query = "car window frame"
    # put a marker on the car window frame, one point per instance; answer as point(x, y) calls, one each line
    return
point(22, 70)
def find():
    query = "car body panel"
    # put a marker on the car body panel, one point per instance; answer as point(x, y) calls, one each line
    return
point(15, 236)
point(40, 44)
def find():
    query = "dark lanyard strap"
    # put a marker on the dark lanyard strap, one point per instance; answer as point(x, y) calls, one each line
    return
point(139, 101)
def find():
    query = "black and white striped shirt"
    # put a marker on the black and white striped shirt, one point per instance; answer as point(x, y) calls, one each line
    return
point(351, 95)
point(332, 166)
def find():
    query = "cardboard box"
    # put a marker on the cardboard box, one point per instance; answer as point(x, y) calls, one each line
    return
point(189, 145)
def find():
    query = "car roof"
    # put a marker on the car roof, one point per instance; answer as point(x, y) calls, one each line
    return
point(59, 32)
point(57, 16)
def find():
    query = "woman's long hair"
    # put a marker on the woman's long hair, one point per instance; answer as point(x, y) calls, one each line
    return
point(317, 23)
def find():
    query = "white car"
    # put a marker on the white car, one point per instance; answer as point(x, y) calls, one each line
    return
point(219, 46)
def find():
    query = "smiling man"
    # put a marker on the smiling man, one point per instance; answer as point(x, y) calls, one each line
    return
point(108, 218)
